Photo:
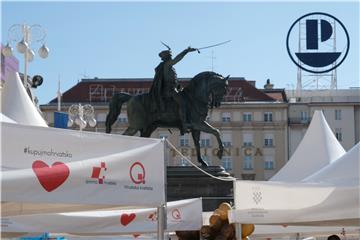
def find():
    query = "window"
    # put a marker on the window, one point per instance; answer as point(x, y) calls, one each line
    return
point(338, 134)
point(226, 162)
point(247, 139)
point(269, 162)
point(205, 142)
point(163, 135)
point(123, 118)
point(269, 140)
point(248, 164)
point(337, 114)
point(268, 117)
point(184, 162)
point(304, 116)
point(226, 117)
point(226, 139)
point(101, 117)
point(247, 117)
point(184, 141)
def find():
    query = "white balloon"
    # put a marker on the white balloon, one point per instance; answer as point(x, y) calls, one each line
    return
point(43, 51)
point(30, 55)
point(70, 122)
point(83, 124)
point(22, 46)
point(7, 50)
point(92, 122)
point(78, 121)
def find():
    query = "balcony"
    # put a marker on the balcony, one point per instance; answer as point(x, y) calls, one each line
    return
point(299, 121)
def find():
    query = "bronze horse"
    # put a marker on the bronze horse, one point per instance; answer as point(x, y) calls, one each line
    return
point(205, 90)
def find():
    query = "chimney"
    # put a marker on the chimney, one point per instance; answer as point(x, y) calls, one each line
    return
point(268, 85)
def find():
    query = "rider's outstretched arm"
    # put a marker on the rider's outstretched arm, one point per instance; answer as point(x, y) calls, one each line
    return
point(181, 56)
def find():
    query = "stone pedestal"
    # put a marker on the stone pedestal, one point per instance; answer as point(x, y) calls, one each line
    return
point(189, 182)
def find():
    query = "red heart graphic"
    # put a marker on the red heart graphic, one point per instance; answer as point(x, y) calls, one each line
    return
point(125, 219)
point(50, 177)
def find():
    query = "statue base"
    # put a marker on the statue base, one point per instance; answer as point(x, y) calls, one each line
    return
point(189, 182)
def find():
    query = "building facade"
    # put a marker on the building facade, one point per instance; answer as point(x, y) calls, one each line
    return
point(341, 109)
point(253, 124)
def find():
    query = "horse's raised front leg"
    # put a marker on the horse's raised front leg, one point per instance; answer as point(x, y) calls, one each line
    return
point(205, 127)
point(196, 137)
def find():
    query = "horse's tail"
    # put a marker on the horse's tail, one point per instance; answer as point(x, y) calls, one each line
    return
point(115, 108)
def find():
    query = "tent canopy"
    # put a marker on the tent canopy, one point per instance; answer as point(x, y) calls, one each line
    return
point(333, 200)
point(183, 215)
point(16, 103)
point(318, 148)
point(57, 170)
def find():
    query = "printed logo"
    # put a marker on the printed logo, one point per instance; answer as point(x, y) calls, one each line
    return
point(257, 195)
point(313, 40)
point(98, 175)
point(50, 177)
point(176, 214)
point(137, 176)
point(152, 216)
point(125, 219)
point(137, 173)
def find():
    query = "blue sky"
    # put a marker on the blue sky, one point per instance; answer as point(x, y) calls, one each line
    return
point(122, 39)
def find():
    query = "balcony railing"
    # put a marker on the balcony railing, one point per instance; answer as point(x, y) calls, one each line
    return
point(304, 121)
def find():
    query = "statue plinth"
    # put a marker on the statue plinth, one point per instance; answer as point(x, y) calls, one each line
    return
point(189, 182)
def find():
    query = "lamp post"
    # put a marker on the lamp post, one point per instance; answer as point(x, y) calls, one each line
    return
point(81, 115)
point(25, 35)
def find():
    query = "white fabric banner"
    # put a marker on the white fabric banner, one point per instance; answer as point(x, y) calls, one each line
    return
point(56, 166)
point(181, 216)
point(296, 204)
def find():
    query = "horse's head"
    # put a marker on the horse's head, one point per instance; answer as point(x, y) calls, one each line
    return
point(218, 88)
point(208, 88)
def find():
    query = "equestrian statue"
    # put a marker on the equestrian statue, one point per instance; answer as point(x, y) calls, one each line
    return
point(169, 105)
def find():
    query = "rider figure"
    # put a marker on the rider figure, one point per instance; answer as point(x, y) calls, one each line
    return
point(166, 84)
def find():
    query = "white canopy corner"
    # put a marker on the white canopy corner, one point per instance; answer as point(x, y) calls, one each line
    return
point(16, 103)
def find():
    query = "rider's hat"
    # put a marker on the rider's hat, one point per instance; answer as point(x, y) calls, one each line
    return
point(164, 54)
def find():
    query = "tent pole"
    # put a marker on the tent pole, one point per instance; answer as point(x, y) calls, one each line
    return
point(161, 210)
point(160, 222)
point(238, 229)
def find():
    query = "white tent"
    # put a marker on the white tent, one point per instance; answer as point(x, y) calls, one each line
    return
point(55, 170)
point(183, 215)
point(16, 103)
point(318, 148)
point(334, 200)
point(344, 170)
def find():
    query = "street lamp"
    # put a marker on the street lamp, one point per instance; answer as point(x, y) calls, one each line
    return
point(25, 35)
point(81, 115)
